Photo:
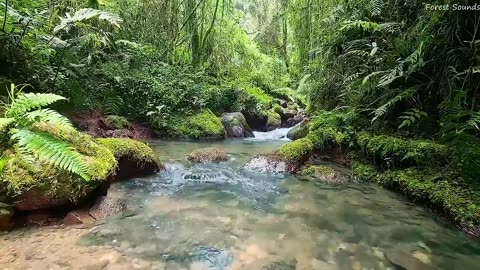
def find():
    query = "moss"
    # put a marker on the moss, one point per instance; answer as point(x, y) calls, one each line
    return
point(440, 189)
point(398, 152)
point(296, 151)
point(118, 122)
point(200, 126)
point(273, 119)
point(260, 96)
point(277, 109)
point(317, 169)
point(329, 128)
point(140, 152)
point(20, 175)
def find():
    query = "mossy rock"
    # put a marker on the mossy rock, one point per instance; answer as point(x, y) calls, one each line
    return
point(117, 122)
point(35, 185)
point(288, 159)
point(134, 158)
point(201, 126)
point(299, 131)
point(236, 125)
point(208, 155)
point(324, 174)
point(274, 120)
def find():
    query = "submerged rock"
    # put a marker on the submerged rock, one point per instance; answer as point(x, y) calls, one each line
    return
point(325, 174)
point(299, 131)
point(236, 125)
point(208, 155)
point(106, 207)
point(287, 159)
point(135, 159)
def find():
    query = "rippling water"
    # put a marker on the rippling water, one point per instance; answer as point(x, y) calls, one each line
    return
point(219, 216)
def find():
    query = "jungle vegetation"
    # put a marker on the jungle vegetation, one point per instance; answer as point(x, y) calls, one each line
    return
point(392, 80)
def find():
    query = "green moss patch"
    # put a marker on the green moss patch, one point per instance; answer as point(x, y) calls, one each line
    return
point(20, 175)
point(201, 126)
point(139, 152)
point(274, 120)
point(117, 122)
point(324, 174)
point(400, 152)
point(296, 151)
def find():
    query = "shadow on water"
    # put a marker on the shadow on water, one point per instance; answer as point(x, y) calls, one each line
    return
point(219, 216)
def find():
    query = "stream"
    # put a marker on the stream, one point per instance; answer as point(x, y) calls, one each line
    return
point(219, 216)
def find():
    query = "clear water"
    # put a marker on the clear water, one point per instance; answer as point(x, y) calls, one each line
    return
point(219, 216)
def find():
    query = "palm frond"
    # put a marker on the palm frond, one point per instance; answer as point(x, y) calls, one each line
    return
point(87, 14)
point(51, 150)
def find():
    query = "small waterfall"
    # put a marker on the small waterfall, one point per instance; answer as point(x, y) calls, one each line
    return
point(274, 135)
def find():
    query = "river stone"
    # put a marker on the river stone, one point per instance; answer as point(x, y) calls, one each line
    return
point(236, 125)
point(36, 200)
point(208, 155)
point(79, 216)
point(299, 131)
point(268, 164)
point(106, 207)
point(406, 260)
point(325, 174)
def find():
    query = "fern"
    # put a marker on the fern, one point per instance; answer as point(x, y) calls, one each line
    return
point(364, 25)
point(50, 117)
point(376, 7)
point(411, 117)
point(49, 149)
point(382, 110)
point(5, 122)
point(27, 102)
point(87, 14)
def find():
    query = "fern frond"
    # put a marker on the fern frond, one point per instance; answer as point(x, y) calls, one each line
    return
point(364, 25)
point(27, 102)
point(5, 122)
point(376, 7)
point(51, 150)
point(87, 14)
point(49, 116)
point(382, 110)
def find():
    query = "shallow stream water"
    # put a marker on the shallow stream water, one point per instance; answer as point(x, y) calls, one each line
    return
point(219, 216)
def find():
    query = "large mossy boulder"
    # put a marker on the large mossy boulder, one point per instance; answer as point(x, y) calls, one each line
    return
point(208, 155)
point(236, 125)
point(288, 159)
point(135, 159)
point(200, 126)
point(274, 120)
point(33, 185)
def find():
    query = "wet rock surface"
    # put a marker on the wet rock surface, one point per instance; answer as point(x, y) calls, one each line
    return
point(299, 131)
point(208, 155)
point(269, 164)
point(236, 125)
point(106, 207)
point(6, 215)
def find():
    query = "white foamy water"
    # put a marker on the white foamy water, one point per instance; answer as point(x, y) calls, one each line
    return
point(274, 135)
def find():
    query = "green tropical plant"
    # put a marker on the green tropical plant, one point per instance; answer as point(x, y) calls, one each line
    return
point(24, 116)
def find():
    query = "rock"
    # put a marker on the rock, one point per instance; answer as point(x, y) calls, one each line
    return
point(6, 215)
point(203, 125)
point(325, 174)
point(289, 113)
point(36, 199)
point(135, 159)
point(299, 131)
point(106, 207)
point(80, 216)
point(283, 103)
point(208, 155)
point(256, 120)
point(287, 159)
point(268, 163)
point(274, 120)
point(38, 219)
point(406, 260)
point(236, 125)
point(119, 133)
point(38, 186)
